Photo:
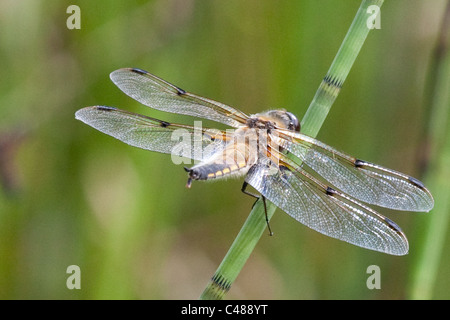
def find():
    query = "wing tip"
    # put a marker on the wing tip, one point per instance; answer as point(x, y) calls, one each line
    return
point(429, 198)
point(79, 115)
point(430, 204)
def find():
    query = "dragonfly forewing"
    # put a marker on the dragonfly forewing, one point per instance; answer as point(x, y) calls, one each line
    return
point(161, 95)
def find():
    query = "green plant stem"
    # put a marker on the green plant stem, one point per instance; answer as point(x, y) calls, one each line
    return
point(318, 110)
point(340, 68)
point(426, 263)
point(242, 247)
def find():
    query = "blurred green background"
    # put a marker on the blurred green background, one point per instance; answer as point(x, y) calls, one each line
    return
point(73, 196)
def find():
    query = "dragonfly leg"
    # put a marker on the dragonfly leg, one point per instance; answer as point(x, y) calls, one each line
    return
point(244, 190)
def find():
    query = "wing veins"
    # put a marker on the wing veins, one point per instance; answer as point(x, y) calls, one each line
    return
point(159, 94)
point(363, 180)
point(153, 134)
point(348, 223)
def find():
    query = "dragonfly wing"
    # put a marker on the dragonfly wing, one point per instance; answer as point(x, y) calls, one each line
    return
point(362, 180)
point(161, 95)
point(152, 134)
point(325, 209)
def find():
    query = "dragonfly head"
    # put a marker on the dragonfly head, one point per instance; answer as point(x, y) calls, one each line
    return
point(293, 124)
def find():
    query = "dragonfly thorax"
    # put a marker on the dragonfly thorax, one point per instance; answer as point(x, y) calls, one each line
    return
point(274, 119)
point(259, 123)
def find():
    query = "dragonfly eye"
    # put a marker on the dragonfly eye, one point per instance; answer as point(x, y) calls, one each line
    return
point(294, 124)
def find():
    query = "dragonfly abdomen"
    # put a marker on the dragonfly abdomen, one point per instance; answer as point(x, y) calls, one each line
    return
point(233, 161)
point(212, 171)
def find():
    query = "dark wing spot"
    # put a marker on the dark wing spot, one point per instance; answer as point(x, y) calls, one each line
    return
point(105, 108)
point(138, 71)
point(330, 191)
point(164, 124)
point(180, 91)
point(416, 182)
point(393, 225)
point(359, 163)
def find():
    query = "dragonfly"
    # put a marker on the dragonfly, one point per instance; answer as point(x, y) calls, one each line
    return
point(319, 186)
